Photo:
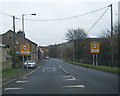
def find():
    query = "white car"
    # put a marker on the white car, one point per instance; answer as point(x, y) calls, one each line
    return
point(47, 57)
point(30, 64)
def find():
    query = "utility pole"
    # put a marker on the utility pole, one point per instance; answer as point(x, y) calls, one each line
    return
point(73, 49)
point(112, 57)
point(23, 36)
point(14, 45)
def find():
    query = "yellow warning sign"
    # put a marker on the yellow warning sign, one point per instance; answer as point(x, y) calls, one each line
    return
point(25, 49)
point(95, 47)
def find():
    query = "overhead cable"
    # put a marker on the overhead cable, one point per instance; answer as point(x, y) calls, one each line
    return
point(97, 20)
point(66, 17)
point(6, 14)
point(58, 18)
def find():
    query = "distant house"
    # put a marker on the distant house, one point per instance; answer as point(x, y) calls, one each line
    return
point(7, 40)
point(44, 50)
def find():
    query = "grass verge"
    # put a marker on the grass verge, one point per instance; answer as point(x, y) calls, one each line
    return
point(10, 72)
point(98, 67)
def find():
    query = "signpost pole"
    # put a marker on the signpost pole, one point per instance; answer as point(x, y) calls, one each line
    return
point(95, 49)
point(93, 59)
point(96, 59)
point(25, 50)
point(23, 61)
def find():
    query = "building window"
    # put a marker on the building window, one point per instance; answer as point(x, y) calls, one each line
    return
point(9, 36)
point(7, 46)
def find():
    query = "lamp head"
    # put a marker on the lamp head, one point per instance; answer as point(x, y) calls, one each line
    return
point(33, 14)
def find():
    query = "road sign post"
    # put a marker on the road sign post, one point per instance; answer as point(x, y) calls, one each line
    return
point(24, 50)
point(93, 59)
point(95, 49)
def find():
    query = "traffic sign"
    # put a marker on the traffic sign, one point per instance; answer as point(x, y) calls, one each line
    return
point(25, 49)
point(95, 47)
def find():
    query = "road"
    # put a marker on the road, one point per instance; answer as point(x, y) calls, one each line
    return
point(55, 76)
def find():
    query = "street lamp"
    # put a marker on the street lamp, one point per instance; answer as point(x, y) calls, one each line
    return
point(23, 20)
point(24, 31)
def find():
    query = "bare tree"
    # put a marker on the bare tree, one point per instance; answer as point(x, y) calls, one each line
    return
point(77, 36)
point(106, 45)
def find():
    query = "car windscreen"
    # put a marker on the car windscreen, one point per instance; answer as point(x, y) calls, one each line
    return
point(30, 61)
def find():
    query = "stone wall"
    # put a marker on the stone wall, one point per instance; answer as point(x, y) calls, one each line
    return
point(6, 58)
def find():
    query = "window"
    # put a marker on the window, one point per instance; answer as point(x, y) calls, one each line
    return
point(9, 36)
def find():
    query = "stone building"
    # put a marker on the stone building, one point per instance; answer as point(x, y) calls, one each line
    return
point(8, 40)
point(5, 57)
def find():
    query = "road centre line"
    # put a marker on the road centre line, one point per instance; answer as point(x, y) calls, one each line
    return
point(7, 89)
point(63, 69)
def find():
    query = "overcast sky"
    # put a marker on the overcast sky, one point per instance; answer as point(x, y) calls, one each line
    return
point(53, 32)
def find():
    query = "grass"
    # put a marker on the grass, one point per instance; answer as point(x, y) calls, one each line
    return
point(98, 67)
point(9, 72)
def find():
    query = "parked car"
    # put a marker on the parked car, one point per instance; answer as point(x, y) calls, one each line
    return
point(30, 64)
point(47, 57)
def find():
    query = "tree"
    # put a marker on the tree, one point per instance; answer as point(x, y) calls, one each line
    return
point(106, 51)
point(77, 36)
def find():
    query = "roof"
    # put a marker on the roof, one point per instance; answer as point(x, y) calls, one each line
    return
point(19, 36)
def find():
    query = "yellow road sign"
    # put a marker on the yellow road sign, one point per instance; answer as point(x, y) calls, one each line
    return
point(95, 47)
point(25, 49)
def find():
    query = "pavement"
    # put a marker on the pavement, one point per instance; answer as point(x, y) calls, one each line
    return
point(55, 76)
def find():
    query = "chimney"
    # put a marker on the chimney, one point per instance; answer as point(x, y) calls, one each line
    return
point(21, 33)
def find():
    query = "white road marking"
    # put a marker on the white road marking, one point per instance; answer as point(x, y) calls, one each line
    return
point(68, 76)
point(54, 69)
point(21, 81)
point(63, 69)
point(60, 66)
point(43, 69)
point(75, 86)
point(32, 71)
point(24, 77)
point(49, 69)
point(72, 77)
point(6, 89)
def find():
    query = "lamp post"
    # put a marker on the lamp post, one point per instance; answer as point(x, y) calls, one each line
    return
point(23, 20)
point(24, 31)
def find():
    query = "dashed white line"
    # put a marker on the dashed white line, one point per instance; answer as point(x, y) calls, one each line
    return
point(6, 89)
point(75, 86)
point(63, 69)
point(24, 77)
point(21, 81)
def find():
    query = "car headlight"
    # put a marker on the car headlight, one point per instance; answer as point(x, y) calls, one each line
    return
point(25, 63)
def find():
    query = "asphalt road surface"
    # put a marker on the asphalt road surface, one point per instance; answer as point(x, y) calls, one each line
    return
point(55, 76)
